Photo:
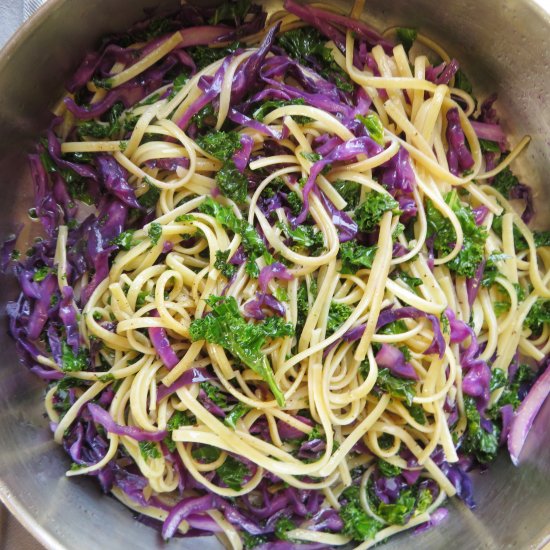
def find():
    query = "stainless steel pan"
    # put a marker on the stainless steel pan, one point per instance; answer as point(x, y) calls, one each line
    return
point(503, 45)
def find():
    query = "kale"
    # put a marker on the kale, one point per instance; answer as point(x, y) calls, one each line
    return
point(179, 419)
point(294, 203)
point(302, 305)
point(77, 186)
point(337, 315)
point(226, 327)
point(399, 388)
point(488, 146)
point(462, 82)
point(350, 191)
point(541, 238)
point(511, 393)
point(149, 449)
point(306, 46)
point(312, 157)
point(221, 264)
point(232, 183)
point(206, 454)
point(125, 239)
point(214, 394)
point(399, 512)
point(103, 130)
point(205, 55)
point(205, 118)
point(71, 362)
point(471, 254)
point(252, 242)
point(305, 238)
point(498, 380)
point(281, 294)
point(477, 440)
point(369, 213)
point(387, 469)
point(355, 256)
point(406, 37)
point(251, 541)
point(492, 271)
point(283, 526)
point(409, 280)
point(232, 472)
point(424, 500)
point(178, 84)
point(221, 145)
point(231, 12)
point(234, 414)
point(141, 299)
point(505, 181)
point(155, 232)
point(417, 412)
point(41, 273)
point(357, 523)
point(270, 105)
point(538, 315)
point(374, 127)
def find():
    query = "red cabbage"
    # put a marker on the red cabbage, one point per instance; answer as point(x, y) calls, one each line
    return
point(397, 173)
point(344, 152)
point(241, 158)
point(192, 375)
point(393, 359)
point(115, 178)
point(102, 417)
point(323, 20)
point(526, 414)
point(390, 315)
point(161, 343)
point(458, 154)
point(276, 270)
point(255, 308)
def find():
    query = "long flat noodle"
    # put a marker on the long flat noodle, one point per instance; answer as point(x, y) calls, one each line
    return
point(258, 311)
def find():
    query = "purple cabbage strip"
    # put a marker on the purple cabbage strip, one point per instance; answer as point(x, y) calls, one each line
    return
point(255, 308)
point(321, 18)
point(115, 179)
point(210, 93)
point(347, 228)
point(344, 152)
point(160, 341)
point(390, 315)
point(67, 314)
point(101, 416)
point(54, 149)
point(491, 132)
point(168, 164)
point(442, 74)
point(286, 431)
point(276, 270)
point(458, 154)
point(473, 283)
point(393, 359)
point(247, 76)
point(524, 192)
point(241, 158)
point(193, 375)
point(397, 173)
point(243, 120)
point(44, 202)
